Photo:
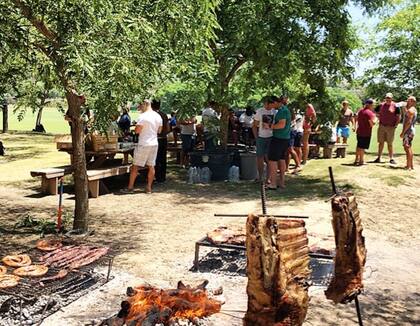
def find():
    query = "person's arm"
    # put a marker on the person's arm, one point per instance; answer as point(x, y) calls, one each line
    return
point(279, 125)
point(159, 130)
point(407, 122)
point(138, 129)
point(255, 128)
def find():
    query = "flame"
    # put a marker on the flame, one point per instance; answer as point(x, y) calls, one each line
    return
point(168, 305)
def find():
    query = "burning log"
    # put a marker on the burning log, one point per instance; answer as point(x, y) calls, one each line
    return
point(350, 256)
point(277, 268)
point(147, 305)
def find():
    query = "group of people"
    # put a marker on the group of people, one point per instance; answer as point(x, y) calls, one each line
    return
point(388, 114)
point(280, 134)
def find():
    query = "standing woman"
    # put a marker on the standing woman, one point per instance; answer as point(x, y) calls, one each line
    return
point(409, 130)
point(308, 122)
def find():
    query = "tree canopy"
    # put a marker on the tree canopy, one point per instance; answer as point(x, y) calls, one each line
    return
point(397, 54)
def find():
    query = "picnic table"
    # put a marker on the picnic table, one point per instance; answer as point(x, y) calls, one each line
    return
point(98, 159)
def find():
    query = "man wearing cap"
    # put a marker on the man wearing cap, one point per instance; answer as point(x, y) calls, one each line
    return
point(364, 124)
point(389, 117)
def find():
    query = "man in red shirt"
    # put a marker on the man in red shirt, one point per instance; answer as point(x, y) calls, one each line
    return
point(364, 124)
point(389, 117)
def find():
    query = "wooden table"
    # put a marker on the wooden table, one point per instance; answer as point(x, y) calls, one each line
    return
point(99, 159)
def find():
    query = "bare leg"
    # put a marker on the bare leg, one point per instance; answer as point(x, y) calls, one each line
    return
point(282, 172)
point(380, 150)
point(272, 168)
point(294, 156)
point(390, 151)
point(344, 140)
point(289, 152)
point(150, 178)
point(361, 156)
point(338, 140)
point(411, 157)
point(133, 176)
point(298, 151)
point(306, 134)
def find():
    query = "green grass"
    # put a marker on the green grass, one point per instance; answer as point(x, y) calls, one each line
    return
point(52, 120)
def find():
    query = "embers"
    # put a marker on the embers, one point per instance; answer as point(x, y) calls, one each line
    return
point(148, 305)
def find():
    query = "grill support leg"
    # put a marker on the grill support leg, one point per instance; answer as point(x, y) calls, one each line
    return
point(109, 269)
point(196, 256)
point(359, 315)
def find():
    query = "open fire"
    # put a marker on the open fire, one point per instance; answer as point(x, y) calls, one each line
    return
point(149, 305)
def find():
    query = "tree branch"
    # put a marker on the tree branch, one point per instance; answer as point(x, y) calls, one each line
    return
point(240, 61)
point(37, 23)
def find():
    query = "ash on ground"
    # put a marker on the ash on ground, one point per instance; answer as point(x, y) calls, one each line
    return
point(227, 262)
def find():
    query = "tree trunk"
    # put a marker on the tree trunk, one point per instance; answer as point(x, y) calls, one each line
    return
point(39, 117)
point(81, 210)
point(277, 269)
point(5, 118)
point(224, 124)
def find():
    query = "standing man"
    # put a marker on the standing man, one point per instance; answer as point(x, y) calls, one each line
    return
point(409, 130)
point(262, 131)
point(187, 138)
point(161, 159)
point(295, 142)
point(308, 122)
point(209, 118)
point(149, 125)
point(344, 120)
point(279, 144)
point(364, 124)
point(389, 117)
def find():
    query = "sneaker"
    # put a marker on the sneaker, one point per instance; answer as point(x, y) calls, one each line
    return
point(378, 160)
point(392, 161)
point(127, 191)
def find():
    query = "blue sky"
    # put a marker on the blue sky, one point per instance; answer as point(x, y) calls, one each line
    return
point(360, 19)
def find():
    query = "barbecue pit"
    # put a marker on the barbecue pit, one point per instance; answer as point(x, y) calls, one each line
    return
point(31, 301)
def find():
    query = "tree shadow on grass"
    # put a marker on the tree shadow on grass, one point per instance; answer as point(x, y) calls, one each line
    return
point(298, 187)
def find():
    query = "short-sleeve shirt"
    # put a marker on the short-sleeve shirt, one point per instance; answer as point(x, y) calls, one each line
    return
point(388, 114)
point(265, 118)
point(364, 128)
point(150, 121)
point(283, 114)
point(246, 120)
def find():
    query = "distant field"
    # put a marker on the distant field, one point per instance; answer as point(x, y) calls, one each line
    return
point(52, 120)
point(54, 123)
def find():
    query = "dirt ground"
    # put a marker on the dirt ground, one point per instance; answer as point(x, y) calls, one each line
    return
point(154, 235)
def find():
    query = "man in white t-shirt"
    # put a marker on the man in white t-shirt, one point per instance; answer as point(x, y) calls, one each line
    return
point(148, 126)
point(262, 131)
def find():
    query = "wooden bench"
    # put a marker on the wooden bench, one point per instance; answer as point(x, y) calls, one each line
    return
point(95, 176)
point(328, 150)
point(50, 176)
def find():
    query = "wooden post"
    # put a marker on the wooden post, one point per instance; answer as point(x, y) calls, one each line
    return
point(277, 268)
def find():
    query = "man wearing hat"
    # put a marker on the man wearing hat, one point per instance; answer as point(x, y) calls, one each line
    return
point(364, 124)
point(389, 117)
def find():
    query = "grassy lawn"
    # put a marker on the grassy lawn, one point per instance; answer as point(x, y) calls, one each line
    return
point(52, 120)
point(26, 151)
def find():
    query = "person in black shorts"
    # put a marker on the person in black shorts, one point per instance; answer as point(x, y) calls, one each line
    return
point(279, 144)
point(364, 124)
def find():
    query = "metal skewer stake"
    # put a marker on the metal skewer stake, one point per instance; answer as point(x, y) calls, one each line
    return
point(263, 198)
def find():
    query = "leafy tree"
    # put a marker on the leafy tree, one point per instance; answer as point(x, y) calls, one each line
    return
point(266, 45)
point(397, 53)
point(106, 51)
point(36, 91)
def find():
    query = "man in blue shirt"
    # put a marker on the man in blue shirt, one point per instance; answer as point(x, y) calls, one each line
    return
point(279, 145)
